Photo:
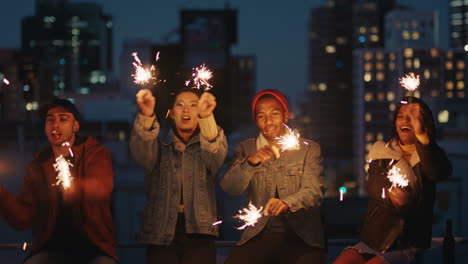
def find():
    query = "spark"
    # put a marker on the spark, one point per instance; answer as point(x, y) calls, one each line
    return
point(69, 149)
point(201, 75)
point(25, 246)
point(410, 82)
point(6, 81)
point(62, 166)
point(217, 223)
point(3, 79)
point(341, 195)
point(396, 178)
point(383, 193)
point(289, 141)
point(249, 215)
point(157, 56)
point(142, 75)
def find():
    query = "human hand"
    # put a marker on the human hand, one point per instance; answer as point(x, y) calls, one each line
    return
point(275, 207)
point(146, 102)
point(261, 155)
point(206, 104)
point(398, 196)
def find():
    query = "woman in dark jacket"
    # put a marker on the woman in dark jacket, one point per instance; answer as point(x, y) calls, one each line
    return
point(398, 222)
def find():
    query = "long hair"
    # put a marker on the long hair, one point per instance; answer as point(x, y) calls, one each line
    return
point(426, 114)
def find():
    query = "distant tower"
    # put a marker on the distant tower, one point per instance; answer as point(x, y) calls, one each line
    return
point(75, 40)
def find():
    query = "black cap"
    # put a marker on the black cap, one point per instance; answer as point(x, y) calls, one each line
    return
point(66, 104)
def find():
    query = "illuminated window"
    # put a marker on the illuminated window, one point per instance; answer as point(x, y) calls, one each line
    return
point(408, 63)
point(374, 29)
point(434, 53)
point(313, 87)
point(306, 120)
point(449, 55)
point(449, 85)
point(405, 34)
point(427, 74)
point(460, 75)
point(368, 56)
point(435, 74)
point(380, 136)
point(367, 77)
point(461, 94)
point(448, 65)
point(374, 38)
point(362, 30)
point(390, 96)
point(416, 63)
point(341, 40)
point(443, 116)
point(379, 66)
point(392, 107)
point(369, 137)
point(368, 97)
point(368, 117)
point(381, 96)
point(330, 49)
point(460, 65)
point(368, 66)
point(368, 147)
point(434, 93)
point(449, 94)
point(380, 76)
point(415, 35)
point(460, 85)
point(391, 66)
point(408, 53)
point(391, 56)
point(322, 86)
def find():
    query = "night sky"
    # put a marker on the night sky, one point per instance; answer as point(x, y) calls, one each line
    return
point(275, 31)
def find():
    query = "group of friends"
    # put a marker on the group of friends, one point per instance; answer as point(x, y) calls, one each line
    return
point(74, 225)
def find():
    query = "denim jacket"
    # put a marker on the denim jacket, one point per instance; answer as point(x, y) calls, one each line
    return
point(166, 169)
point(296, 174)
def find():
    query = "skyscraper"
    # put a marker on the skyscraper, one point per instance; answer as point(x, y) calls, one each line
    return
point(458, 21)
point(75, 40)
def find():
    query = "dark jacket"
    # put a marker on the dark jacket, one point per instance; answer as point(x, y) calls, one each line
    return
point(36, 205)
point(386, 226)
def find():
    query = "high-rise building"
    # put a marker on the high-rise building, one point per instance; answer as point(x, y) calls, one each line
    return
point(458, 22)
point(406, 28)
point(75, 40)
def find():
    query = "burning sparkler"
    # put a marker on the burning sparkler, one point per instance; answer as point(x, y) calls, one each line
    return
point(290, 141)
point(3, 79)
point(62, 166)
point(410, 82)
point(249, 215)
point(396, 178)
point(142, 75)
point(201, 75)
point(217, 223)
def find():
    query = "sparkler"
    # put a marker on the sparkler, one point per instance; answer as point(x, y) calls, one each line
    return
point(410, 82)
point(201, 75)
point(3, 79)
point(217, 223)
point(249, 216)
point(62, 166)
point(143, 75)
point(290, 141)
point(396, 178)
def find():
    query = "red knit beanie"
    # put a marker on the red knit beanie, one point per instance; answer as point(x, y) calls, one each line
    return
point(279, 96)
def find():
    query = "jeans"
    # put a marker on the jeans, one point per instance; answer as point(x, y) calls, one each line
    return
point(68, 257)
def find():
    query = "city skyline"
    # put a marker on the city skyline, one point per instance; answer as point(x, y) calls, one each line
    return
point(278, 38)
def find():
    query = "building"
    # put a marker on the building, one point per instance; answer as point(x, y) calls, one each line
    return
point(75, 40)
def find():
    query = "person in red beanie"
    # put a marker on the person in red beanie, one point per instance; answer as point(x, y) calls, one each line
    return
point(286, 183)
point(70, 225)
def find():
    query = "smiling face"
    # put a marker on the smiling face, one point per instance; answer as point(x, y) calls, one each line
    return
point(60, 126)
point(403, 126)
point(270, 118)
point(184, 113)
